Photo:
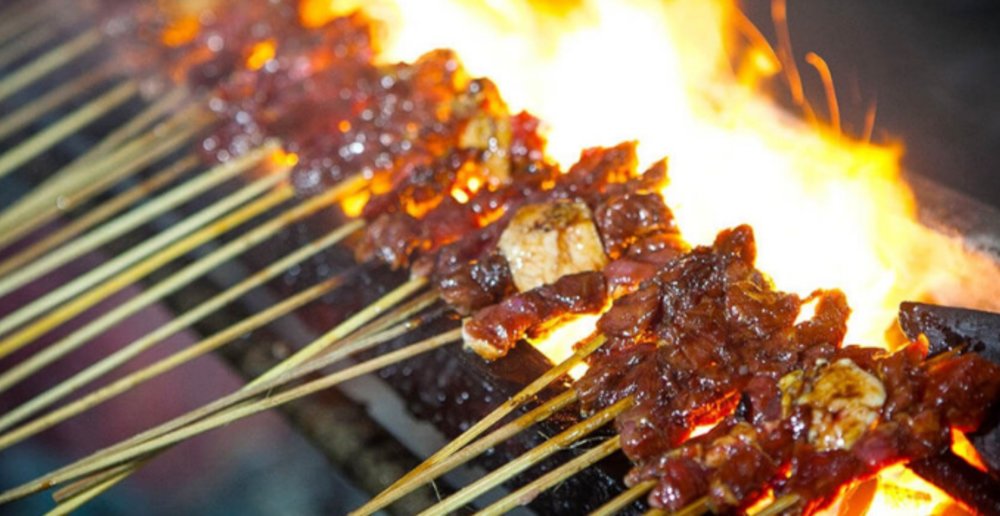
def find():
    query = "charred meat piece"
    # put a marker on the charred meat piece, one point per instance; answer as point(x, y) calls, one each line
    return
point(707, 338)
point(492, 331)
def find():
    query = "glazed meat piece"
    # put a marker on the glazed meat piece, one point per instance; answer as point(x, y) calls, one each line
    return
point(835, 424)
point(492, 331)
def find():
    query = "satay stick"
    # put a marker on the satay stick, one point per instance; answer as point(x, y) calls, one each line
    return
point(100, 213)
point(123, 355)
point(485, 423)
point(527, 493)
point(92, 174)
point(28, 43)
point(206, 418)
point(532, 417)
point(71, 123)
point(535, 455)
point(624, 499)
point(123, 224)
point(32, 111)
point(367, 337)
point(48, 63)
point(12, 28)
point(69, 504)
point(177, 280)
point(169, 363)
point(89, 299)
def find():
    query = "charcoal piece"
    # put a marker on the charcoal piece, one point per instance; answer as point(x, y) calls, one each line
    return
point(949, 327)
point(974, 488)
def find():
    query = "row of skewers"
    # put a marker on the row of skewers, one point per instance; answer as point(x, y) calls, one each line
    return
point(421, 167)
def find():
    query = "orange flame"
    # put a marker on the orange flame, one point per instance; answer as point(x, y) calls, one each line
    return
point(828, 212)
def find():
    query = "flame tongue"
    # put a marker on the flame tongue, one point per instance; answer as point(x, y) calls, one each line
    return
point(827, 212)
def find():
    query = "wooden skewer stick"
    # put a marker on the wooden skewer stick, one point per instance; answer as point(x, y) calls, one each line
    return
point(122, 225)
point(82, 180)
point(169, 104)
point(343, 329)
point(100, 214)
point(623, 500)
point(695, 508)
point(93, 465)
point(49, 62)
point(94, 328)
point(41, 106)
point(167, 364)
point(171, 284)
point(780, 505)
point(532, 417)
point(67, 503)
point(53, 134)
point(176, 281)
point(529, 492)
point(528, 459)
point(485, 423)
point(123, 355)
point(28, 43)
point(337, 350)
point(26, 19)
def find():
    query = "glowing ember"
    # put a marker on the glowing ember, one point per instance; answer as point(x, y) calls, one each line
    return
point(963, 448)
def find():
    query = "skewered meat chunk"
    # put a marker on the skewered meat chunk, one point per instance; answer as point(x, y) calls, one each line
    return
point(544, 242)
point(708, 338)
point(495, 329)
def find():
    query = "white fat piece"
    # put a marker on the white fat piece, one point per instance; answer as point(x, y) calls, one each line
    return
point(846, 401)
point(545, 242)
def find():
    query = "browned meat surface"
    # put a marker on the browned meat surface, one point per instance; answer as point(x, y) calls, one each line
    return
point(708, 338)
point(492, 331)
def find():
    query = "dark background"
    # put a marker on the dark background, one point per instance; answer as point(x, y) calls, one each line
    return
point(932, 67)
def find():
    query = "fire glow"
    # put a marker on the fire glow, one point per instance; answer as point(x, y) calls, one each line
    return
point(684, 78)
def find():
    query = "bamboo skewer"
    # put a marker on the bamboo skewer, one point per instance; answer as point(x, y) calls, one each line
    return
point(53, 134)
point(48, 63)
point(190, 317)
point(540, 413)
point(94, 328)
point(526, 494)
point(144, 120)
point(117, 455)
point(173, 361)
point(66, 505)
point(134, 263)
point(362, 339)
point(171, 284)
point(39, 107)
point(80, 181)
point(528, 459)
point(623, 500)
point(100, 214)
point(18, 24)
point(484, 424)
point(27, 44)
point(343, 329)
point(357, 344)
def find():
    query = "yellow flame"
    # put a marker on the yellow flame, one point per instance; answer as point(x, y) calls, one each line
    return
point(827, 212)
